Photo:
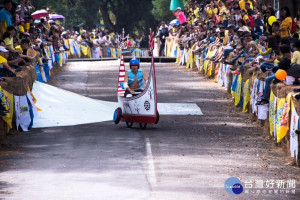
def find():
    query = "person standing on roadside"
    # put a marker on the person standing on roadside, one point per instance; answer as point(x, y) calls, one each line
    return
point(162, 38)
point(180, 16)
point(286, 24)
point(5, 16)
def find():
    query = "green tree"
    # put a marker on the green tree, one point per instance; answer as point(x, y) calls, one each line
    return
point(133, 15)
point(161, 11)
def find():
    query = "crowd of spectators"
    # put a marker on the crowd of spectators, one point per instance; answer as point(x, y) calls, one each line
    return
point(19, 32)
point(246, 33)
point(243, 28)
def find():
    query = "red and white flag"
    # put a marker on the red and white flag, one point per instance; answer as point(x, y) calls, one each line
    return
point(121, 89)
point(151, 40)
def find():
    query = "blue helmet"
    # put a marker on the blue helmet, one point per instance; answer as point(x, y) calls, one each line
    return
point(134, 62)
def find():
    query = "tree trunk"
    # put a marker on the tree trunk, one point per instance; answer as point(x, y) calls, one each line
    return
point(107, 22)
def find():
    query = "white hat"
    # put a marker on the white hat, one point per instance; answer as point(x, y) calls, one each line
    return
point(2, 48)
point(241, 29)
point(178, 8)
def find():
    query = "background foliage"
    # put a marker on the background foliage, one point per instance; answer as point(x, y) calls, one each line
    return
point(133, 15)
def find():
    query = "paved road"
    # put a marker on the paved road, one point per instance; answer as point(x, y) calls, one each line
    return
point(182, 157)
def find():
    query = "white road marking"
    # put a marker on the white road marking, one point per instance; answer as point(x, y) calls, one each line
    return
point(151, 167)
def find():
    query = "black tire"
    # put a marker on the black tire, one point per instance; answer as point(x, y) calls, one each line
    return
point(157, 119)
point(117, 115)
point(129, 124)
point(143, 126)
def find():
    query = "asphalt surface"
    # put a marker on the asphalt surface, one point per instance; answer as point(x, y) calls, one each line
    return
point(182, 157)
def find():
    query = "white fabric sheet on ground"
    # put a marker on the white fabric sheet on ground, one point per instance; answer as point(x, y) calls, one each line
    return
point(63, 108)
point(178, 109)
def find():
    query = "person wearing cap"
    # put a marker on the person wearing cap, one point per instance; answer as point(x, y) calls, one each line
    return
point(6, 70)
point(133, 80)
point(21, 26)
point(180, 16)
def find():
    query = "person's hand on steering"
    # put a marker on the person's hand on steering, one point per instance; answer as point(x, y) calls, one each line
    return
point(130, 90)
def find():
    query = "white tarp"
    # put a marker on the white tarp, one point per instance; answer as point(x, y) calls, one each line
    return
point(63, 108)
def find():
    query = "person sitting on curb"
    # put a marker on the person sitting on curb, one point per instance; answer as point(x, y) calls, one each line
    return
point(133, 81)
point(284, 64)
point(5, 69)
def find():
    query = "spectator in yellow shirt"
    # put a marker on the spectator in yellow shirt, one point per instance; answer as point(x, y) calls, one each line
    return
point(245, 17)
point(8, 38)
point(21, 26)
point(209, 11)
point(5, 16)
point(224, 13)
point(286, 24)
point(196, 10)
point(3, 59)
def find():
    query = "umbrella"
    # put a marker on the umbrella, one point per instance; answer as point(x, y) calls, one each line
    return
point(39, 13)
point(56, 16)
point(175, 4)
point(51, 21)
point(174, 22)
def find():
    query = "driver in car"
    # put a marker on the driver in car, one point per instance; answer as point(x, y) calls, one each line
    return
point(133, 81)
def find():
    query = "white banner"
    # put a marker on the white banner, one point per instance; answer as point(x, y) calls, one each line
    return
point(22, 113)
point(293, 136)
